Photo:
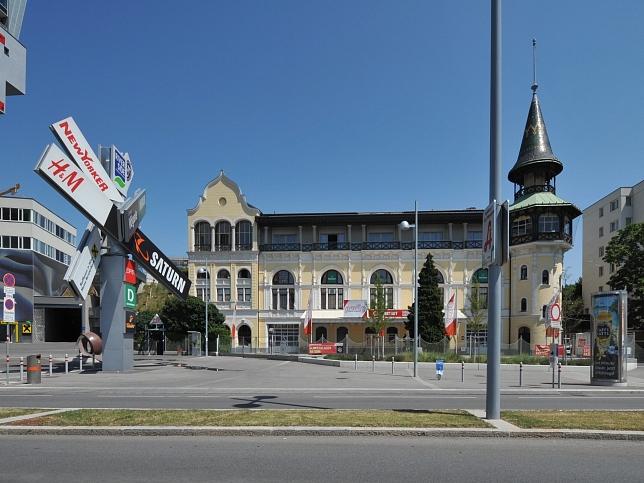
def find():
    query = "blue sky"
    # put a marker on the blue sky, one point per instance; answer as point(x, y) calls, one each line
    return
point(327, 105)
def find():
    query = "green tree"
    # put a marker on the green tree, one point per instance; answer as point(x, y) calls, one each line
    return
point(376, 318)
point(626, 252)
point(152, 296)
point(179, 317)
point(431, 326)
point(476, 312)
point(572, 307)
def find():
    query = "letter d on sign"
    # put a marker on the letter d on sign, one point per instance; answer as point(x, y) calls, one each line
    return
point(130, 296)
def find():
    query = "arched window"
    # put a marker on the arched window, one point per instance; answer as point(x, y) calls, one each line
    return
point(203, 279)
point(392, 333)
point(440, 277)
point(222, 236)
point(480, 277)
point(524, 333)
point(387, 287)
point(524, 272)
point(321, 334)
point(548, 223)
point(545, 277)
point(243, 235)
point(283, 297)
point(524, 305)
point(369, 331)
point(244, 335)
point(341, 333)
point(223, 285)
point(331, 297)
point(243, 273)
point(203, 242)
point(243, 286)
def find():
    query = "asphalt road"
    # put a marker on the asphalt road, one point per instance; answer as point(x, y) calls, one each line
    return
point(232, 382)
point(317, 459)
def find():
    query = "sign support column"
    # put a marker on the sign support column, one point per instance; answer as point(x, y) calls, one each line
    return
point(118, 346)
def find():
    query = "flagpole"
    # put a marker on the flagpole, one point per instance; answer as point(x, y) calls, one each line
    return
point(456, 312)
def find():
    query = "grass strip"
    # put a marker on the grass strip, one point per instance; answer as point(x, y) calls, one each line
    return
point(12, 412)
point(245, 417)
point(588, 420)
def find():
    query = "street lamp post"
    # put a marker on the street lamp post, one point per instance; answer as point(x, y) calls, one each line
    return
point(205, 270)
point(406, 226)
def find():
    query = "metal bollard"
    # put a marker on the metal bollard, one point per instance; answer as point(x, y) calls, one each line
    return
point(22, 368)
point(559, 376)
point(66, 364)
point(7, 366)
point(50, 365)
point(392, 365)
point(373, 364)
point(520, 374)
point(80, 362)
point(462, 371)
point(356, 365)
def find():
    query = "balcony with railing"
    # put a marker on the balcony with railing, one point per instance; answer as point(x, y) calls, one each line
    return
point(528, 190)
point(368, 246)
point(203, 248)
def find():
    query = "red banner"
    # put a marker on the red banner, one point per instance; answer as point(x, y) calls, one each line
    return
point(324, 348)
point(541, 350)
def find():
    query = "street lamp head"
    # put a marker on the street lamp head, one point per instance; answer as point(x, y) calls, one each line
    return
point(203, 270)
point(405, 225)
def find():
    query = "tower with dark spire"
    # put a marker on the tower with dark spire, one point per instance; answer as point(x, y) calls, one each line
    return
point(535, 179)
point(540, 229)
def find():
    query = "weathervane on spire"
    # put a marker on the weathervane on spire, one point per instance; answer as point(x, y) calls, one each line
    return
point(534, 65)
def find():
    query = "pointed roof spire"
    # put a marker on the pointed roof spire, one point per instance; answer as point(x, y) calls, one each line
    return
point(535, 153)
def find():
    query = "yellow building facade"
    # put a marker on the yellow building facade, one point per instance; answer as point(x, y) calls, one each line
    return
point(261, 270)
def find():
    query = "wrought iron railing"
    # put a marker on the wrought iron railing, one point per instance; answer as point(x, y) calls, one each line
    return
point(528, 190)
point(331, 246)
point(203, 248)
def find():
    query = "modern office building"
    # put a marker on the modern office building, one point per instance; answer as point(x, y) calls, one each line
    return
point(13, 58)
point(602, 220)
point(269, 265)
point(36, 247)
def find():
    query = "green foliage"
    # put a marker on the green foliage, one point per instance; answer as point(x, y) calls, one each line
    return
point(378, 306)
point(431, 326)
point(179, 317)
point(143, 319)
point(476, 313)
point(572, 310)
point(152, 296)
point(626, 251)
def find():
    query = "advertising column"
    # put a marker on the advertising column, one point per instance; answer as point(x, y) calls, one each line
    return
point(608, 337)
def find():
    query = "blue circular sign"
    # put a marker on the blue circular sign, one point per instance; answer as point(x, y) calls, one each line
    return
point(9, 280)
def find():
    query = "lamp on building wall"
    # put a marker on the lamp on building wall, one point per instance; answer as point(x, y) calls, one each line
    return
point(406, 226)
point(207, 296)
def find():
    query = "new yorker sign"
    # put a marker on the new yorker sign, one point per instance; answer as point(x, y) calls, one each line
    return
point(84, 182)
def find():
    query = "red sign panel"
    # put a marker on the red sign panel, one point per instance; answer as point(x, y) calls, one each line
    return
point(541, 350)
point(324, 348)
point(130, 272)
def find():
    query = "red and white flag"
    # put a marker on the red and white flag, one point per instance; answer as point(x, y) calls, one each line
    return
point(308, 319)
point(450, 317)
point(233, 328)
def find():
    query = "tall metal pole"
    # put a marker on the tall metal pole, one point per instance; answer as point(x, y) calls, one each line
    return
point(493, 394)
point(416, 338)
